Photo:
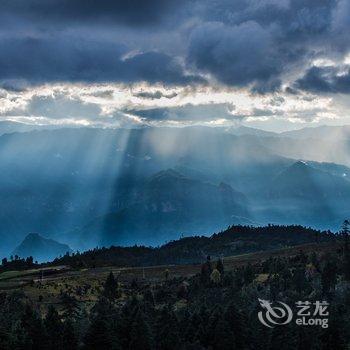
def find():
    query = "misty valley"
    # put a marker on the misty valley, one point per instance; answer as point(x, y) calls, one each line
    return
point(88, 187)
point(194, 238)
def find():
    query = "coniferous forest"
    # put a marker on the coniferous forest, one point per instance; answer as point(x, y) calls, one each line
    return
point(216, 308)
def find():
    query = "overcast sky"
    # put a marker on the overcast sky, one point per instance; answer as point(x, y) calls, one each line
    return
point(272, 64)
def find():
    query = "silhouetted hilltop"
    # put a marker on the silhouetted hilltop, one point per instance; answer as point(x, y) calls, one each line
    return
point(304, 182)
point(233, 241)
point(40, 248)
point(167, 205)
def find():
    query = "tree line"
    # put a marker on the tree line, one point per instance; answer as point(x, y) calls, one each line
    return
point(215, 309)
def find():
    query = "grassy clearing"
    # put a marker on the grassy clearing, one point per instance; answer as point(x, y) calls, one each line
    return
point(15, 274)
point(46, 286)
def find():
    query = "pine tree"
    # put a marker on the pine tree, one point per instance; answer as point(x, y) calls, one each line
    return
point(102, 333)
point(166, 274)
point(283, 338)
point(345, 233)
point(193, 325)
point(346, 249)
point(346, 265)
point(333, 337)
point(224, 338)
point(237, 322)
point(260, 337)
point(206, 270)
point(70, 305)
point(98, 335)
point(215, 277)
point(140, 333)
point(15, 339)
point(110, 290)
point(211, 325)
point(329, 276)
point(125, 321)
point(248, 274)
point(299, 280)
point(54, 328)
point(35, 335)
point(69, 337)
point(220, 266)
point(167, 330)
point(309, 338)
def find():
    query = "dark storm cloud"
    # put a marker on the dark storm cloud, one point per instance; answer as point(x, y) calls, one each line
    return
point(53, 59)
point(253, 43)
point(135, 12)
point(61, 59)
point(236, 55)
point(242, 43)
point(189, 113)
point(156, 95)
point(295, 18)
point(325, 80)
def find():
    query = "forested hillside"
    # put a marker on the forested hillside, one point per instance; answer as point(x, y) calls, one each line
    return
point(217, 308)
point(233, 241)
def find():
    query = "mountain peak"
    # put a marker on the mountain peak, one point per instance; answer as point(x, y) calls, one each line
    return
point(299, 165)
point(166, 174)
point(298, 172)
point(223, 186)
point(32, 236)
point(40, 248)
point(242, 130)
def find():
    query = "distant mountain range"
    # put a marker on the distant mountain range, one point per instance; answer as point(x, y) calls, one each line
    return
point(302, 182)
point(308, 195)
point(89, 187)
point(40, 248)
point(7, 127)
point(320, 132)
point(244, 130)
point(235, 240)
point(167, 206)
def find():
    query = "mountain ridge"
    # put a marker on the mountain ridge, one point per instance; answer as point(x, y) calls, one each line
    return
point(40, 248)
point(96, 172)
